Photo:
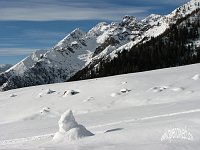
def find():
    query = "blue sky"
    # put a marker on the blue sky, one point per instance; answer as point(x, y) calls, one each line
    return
point(28, 25)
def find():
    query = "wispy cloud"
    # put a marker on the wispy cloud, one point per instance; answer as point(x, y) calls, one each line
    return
point(172, 2)
point(41, 34)
point(29, 38)
point(15, 51)
point(34, 10)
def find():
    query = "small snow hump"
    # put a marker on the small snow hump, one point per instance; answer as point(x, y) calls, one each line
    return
point(89, 99)
point(124, 82)
point(45, 110)
point(46, 92)
point(70, 129)
point(158, 89)
point(196, 77)
point(13, 95)
point(114, 94)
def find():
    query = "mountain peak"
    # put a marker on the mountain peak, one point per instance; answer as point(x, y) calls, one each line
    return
point(151, 19)
point(98, 29)
point(183, 11)
point(129, 20)
point(75, 35)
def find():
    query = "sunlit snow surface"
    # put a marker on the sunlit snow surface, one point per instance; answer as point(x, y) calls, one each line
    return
point(132, 111)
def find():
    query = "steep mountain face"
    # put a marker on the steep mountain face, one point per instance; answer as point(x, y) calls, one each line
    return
point(80, 54)
point(4, 67)
point(172, 40)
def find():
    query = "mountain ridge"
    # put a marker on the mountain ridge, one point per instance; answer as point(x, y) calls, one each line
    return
point(80, 49)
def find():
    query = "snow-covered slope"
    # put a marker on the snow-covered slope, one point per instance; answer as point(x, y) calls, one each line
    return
point(80, 49)
point(152, 19)
point(4, 67)
point(150, 110)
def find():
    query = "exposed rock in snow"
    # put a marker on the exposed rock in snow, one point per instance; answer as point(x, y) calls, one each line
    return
point(124, 90)
point(45, 92)
point(70, 92)
point(69, 129)
point(159, 89)
point(45, 110)
point(49, 91)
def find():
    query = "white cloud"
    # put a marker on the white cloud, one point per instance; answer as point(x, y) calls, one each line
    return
point(41, 34)
point(15, 51)
point(175, 2)
point(32, 10)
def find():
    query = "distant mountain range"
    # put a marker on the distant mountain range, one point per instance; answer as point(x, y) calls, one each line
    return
point(4, 67)
point(110, 49)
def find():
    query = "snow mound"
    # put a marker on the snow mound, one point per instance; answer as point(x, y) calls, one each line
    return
point(89, 99)
point(45, 110)
point(177, 89)
point(46, 92)
point(13, 95)
point(114, 94)
point(70, 92)
point(196, 77)
point(159, 89)
point(124, 82)
point(70, 129)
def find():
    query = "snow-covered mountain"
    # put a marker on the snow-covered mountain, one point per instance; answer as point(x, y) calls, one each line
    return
point(71, 54)
point(156, 25)
point(80, 49)
point(4, 67)
point(184, 19)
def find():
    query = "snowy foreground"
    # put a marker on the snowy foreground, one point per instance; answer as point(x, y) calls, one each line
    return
point(151, 110)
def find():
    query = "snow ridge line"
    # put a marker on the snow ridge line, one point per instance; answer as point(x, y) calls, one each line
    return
point(39, 137)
